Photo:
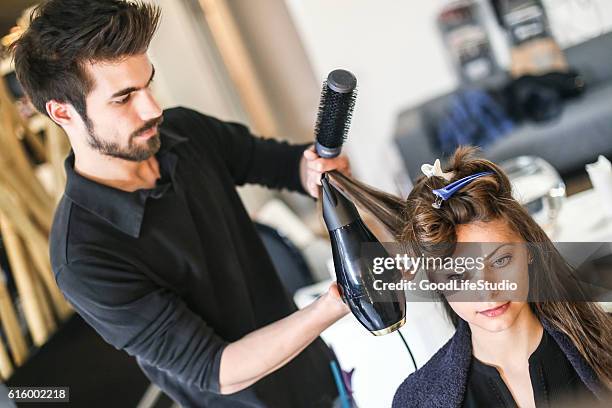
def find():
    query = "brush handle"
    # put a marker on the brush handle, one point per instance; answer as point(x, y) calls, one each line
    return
point(327, 152)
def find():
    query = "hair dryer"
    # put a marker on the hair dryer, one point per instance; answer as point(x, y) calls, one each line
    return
point(353, 244)
point(354, 248)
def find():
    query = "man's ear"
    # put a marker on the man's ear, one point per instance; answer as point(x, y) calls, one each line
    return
point(61, 113)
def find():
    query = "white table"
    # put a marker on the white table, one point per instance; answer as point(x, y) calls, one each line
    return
point(382, 363)
point(581, 219)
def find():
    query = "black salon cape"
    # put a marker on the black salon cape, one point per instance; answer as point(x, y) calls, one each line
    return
point(443, 380)
point(174, 273)
point(553, 379)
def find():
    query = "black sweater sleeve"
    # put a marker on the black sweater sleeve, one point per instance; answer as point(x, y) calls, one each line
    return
point(149, 322)
point(249, 158)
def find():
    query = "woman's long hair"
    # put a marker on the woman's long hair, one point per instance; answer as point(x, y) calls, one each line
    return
point(420, 227)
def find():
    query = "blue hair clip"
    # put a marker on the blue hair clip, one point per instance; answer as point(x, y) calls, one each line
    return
point(446, 192)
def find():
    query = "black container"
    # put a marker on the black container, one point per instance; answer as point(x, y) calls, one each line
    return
point(354, 247)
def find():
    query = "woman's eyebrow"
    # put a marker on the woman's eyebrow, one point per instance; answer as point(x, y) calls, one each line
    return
point(495, 250)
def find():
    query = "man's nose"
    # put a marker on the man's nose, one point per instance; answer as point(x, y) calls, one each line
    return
point(148, 106)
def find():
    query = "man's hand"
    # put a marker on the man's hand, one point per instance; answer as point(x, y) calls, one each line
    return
point(332, 302)
point(265, 350)
point(312, 167)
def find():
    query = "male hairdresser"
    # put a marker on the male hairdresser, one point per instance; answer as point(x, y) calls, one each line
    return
point(150, 242)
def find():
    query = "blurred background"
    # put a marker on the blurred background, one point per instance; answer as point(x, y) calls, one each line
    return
point(529, 81)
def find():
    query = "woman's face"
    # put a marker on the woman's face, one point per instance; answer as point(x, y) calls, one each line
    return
point(505, 257)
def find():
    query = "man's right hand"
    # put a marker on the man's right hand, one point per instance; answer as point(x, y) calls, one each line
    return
point(333, 303)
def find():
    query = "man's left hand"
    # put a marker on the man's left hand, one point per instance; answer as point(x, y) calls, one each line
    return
point(312, 167)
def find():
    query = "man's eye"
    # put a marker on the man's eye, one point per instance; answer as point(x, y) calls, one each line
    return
point(503, 261)
point(122, 100)
point(454, 276)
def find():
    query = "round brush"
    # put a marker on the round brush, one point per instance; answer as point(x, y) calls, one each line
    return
point(335, 111)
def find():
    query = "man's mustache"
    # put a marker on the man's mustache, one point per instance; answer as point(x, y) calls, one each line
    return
point(148, 125)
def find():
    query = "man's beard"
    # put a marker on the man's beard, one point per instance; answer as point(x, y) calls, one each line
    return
point(132, 152)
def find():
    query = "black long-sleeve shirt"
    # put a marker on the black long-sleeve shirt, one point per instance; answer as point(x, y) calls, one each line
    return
point(173, 273)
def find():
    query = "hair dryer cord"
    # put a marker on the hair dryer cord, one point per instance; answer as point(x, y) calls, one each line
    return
point(408, 348)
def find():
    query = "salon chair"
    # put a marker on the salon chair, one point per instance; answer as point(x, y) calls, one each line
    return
point(287, 259)
point(76, 356)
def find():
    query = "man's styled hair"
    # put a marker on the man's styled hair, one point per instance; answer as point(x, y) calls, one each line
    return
point(65, 34)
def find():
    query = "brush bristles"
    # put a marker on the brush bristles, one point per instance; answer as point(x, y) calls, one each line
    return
point(334, 117)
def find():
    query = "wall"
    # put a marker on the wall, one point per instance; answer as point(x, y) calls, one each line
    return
point(377, 42)
point(281, 63)
point(190, 72)
point(395, 51)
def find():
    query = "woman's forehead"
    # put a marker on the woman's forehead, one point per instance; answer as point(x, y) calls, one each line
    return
point(497, 230)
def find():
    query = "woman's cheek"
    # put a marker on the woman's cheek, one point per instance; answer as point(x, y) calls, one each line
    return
point(519, 275)
point(466, 310)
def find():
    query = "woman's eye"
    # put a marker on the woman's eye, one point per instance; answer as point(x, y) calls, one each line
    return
point(455, 276)
point(503, 261)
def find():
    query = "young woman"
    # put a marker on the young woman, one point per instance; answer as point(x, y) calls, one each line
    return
point(538, 350)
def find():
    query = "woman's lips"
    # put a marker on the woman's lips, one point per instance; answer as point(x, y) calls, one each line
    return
point(499, 310)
